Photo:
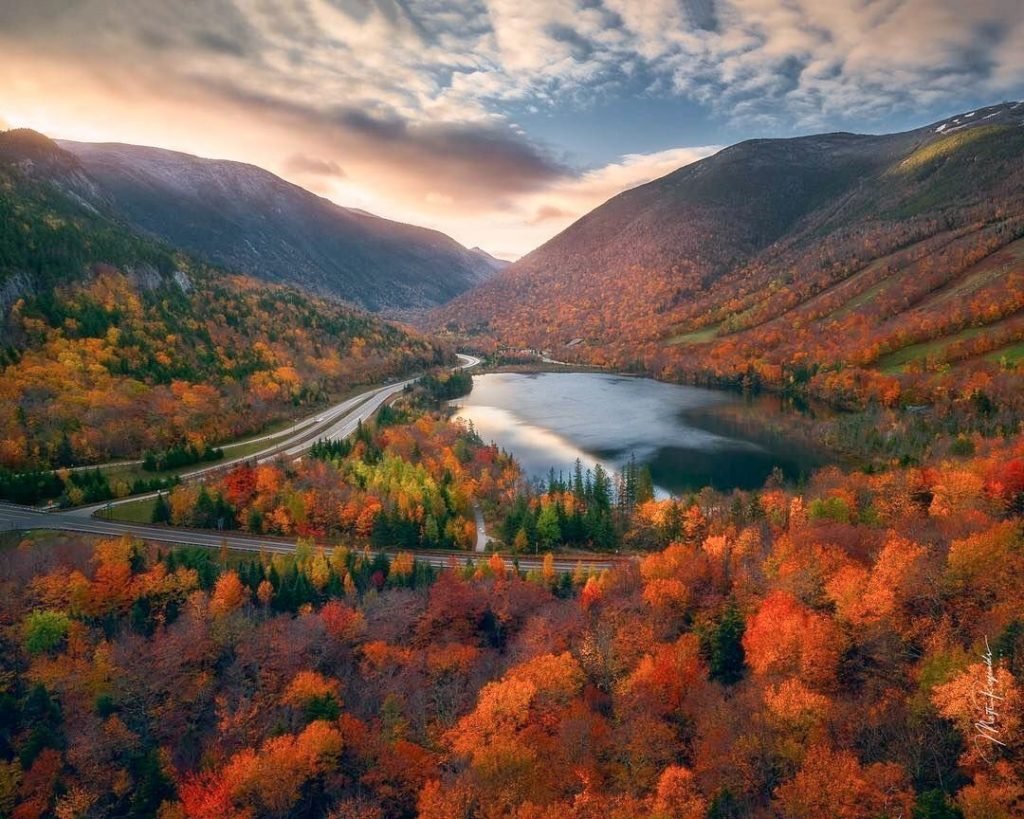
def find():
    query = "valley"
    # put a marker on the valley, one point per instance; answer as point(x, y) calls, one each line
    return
point(854, 252)
point(720, 513)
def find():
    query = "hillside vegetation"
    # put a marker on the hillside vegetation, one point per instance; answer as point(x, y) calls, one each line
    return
point(114, 344)
point(856, 268)
point(776, 654)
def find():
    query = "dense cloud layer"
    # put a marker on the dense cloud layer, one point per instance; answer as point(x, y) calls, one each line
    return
point(417, 99)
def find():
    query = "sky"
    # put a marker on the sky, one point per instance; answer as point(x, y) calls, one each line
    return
point(499, 122)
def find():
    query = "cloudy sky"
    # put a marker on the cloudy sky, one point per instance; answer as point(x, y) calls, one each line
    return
point(497, 121)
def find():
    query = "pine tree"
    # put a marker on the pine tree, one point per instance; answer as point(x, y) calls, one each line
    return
point(644, 485)
point(723, 647)
point(602, 488)
point(161, 510)
point(577, 481)
point(65, 455)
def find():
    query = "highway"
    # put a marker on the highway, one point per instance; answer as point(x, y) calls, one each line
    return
point(20, 518)
point(334, 423)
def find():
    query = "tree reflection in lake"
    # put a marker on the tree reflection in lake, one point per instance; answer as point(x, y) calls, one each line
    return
point(688, 436)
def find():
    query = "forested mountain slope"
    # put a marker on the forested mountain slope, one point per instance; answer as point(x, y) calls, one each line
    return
point(246, 219)
point(112, 343)
point(839, 261)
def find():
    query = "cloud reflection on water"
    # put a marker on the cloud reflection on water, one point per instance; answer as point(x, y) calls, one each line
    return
point(548, 420)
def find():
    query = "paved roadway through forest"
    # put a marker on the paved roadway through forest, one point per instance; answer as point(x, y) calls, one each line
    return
point(335, 423)
point(20, 518)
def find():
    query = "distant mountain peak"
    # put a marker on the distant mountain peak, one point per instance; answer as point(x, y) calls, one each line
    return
point(39, 157)
point(493, 261)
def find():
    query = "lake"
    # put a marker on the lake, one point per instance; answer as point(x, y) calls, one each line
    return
point(689, 437)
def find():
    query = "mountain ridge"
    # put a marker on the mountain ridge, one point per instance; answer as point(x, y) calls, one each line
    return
point(244, 218)
point(685, 275)
point(113, 343)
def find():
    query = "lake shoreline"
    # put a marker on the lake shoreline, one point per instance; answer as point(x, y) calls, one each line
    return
point(547, 418)
point(792, 423)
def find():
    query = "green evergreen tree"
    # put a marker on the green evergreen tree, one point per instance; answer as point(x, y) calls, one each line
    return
point(723, 647)
point(65, 455)
point(934, 804)
point(549, 531)
point(152, 786)
point(644, 485)
point(161, 510)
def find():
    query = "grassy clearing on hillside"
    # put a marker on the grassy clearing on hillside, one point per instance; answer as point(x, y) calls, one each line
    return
point(893, 362)
point(696, 337)
point(970, 280)
point(855, 290)
point(850, 284)
point(946, 146)
point(987, 272)
point(863, 298)
point(1011, 355)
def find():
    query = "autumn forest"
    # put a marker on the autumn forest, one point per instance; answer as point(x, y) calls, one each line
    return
point(804, 654)
point(254, 564)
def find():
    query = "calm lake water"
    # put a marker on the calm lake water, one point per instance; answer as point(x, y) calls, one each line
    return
point(689, 437)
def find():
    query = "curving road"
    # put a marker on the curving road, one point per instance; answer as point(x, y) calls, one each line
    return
point(334, 423)
point(482, 538)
